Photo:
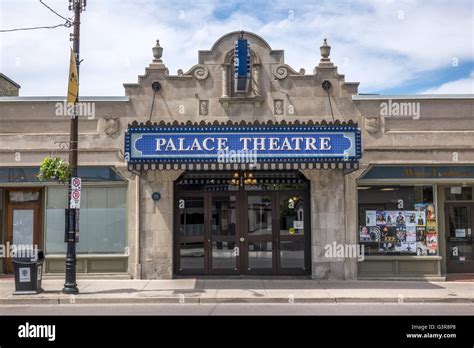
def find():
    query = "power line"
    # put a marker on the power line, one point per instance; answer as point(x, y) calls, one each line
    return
point(57, 14)
point(67, 25)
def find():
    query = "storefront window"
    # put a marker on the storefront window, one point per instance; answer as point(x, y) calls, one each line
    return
point(397, 220)
point(102, 222)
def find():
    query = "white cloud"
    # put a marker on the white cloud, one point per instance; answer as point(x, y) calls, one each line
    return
point(382, 44)
point(461, 86)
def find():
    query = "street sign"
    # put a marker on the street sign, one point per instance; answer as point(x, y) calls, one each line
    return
point(75, 200)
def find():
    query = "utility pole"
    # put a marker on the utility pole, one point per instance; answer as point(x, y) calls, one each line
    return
point(70, 285)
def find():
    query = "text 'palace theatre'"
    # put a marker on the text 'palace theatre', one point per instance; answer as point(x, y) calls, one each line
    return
point(244, 166)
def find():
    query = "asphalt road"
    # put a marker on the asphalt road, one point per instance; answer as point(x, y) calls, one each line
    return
point(242, 309)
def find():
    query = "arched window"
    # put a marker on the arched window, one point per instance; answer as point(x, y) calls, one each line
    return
point(229, 82)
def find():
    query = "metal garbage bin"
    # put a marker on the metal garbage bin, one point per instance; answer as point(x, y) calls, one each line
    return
point(28, 272)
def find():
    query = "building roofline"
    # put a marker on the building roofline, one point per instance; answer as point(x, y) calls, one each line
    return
point(62, 99)
point(412, 96)
point(10, 80)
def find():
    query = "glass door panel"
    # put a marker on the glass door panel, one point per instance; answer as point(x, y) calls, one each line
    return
point(260, 256)
point(224, 237)
point(23, 226)
point(291, 248)
point(259, 215)
point(259, 235)
point(191, 234)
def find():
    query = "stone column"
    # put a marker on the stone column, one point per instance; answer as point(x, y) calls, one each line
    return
point(133, 216)
point(256, 79)
point(156, 224)
point(351, 216)
point(327, 222)
point(225, 81)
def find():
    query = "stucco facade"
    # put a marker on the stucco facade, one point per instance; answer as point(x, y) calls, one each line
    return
point(441, 134)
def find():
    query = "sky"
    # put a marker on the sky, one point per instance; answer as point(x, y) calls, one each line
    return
point(391, 47)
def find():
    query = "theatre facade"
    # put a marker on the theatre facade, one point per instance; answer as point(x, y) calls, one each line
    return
point(241, 166)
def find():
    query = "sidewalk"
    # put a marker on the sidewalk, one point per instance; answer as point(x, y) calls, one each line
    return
point(242, 291)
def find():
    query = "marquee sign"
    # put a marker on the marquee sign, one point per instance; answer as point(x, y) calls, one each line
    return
point(237, 146)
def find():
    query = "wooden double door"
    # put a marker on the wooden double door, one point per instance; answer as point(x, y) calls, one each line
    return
point(242, 232)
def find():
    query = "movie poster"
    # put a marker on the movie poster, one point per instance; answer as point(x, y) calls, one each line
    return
point(430, 213)
point(420, 233)
point(401, 236)
point(408, 247)
point(421, 249)
point(370, 218)
point(401, 232)
point(411, 234)
point(381, 219)
point(420, 214)
point(364, 235)
point(388, 239)
point(374, 232)
point(420, 218)
point(410, 218)
point(391, 217)
point(432, 242)
point(431, 226)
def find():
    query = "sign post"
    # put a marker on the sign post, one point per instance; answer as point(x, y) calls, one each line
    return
point(70, 285)
point(75, 200)
point(72, 213)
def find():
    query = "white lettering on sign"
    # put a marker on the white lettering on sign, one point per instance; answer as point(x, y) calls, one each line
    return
point(248, 144)
point(310, 144)
point(208, 144)
point(222, 144)
point(285, 144)
point(324, 144)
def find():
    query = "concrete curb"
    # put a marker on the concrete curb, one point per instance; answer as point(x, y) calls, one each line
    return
point(220, 300)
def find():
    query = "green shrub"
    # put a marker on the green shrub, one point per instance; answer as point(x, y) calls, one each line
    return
point(54, 169)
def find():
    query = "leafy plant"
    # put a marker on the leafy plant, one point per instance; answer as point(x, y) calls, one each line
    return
point(53, 168)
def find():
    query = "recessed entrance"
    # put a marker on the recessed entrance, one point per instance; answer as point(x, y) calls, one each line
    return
point(23, 221)
point(460, 247)
point(242, 223)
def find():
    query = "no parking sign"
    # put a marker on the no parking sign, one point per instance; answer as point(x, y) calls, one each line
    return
point(75, 200)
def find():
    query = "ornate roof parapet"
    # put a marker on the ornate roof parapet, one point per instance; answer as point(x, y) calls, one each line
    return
point(157, 63)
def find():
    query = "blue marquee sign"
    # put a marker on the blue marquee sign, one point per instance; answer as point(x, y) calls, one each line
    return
point(241, 65)
point(220, 144)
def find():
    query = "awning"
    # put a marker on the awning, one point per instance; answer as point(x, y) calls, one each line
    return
point(242, 146)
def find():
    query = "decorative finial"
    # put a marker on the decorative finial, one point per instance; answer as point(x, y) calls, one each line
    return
point(157, 52)
point(325, 51)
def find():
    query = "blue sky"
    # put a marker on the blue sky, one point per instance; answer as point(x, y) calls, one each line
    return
point(389, 46)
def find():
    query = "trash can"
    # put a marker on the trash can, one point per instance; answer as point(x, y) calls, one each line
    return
point(28, 272)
